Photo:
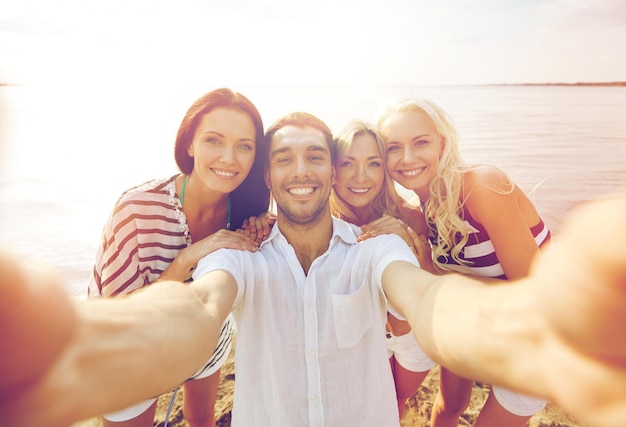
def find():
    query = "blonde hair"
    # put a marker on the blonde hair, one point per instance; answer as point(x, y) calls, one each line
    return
point(387, 201)
point(444, 206)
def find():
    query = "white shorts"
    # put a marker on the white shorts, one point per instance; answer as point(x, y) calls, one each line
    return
point(408, 352)
point(215, 362)
point(518, 404)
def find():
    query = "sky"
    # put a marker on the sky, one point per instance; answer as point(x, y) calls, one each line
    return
point(334, 42)
point(111, 79)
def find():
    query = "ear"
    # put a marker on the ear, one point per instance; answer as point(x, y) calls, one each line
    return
point(190, 150)
point(443, 146)
point(333, 177)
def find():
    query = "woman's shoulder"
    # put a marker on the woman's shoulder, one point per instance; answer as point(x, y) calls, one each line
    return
point(485, 177)
point(156, 186)
point(488, 192)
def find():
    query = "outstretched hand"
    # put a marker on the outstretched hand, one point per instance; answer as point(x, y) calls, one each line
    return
point(37, 323)
point(581, 292)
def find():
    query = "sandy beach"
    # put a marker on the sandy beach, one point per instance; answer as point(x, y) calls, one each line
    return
point(418, 414)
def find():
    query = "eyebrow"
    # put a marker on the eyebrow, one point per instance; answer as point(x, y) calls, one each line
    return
point(313, 148)
point(369, 158)
point(412, 139)
point(279, 151)
point(213, 132)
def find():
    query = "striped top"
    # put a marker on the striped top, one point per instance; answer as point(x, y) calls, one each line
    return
point(144, 233)
point(479, 250)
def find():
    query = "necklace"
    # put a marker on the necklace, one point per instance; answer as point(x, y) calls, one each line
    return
point(182, 199)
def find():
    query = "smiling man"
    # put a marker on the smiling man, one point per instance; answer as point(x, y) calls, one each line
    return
point(310, 304)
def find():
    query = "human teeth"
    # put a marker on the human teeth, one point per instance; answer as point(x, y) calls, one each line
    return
point(302, 191)
point(359, 190)
point(411, 172)
point(225, 174)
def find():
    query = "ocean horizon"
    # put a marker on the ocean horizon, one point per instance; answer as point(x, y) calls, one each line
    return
point(68, 153)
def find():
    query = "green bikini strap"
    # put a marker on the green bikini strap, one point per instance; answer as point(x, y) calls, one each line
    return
point(228, 219)
point(182, 192)
point(182, 198)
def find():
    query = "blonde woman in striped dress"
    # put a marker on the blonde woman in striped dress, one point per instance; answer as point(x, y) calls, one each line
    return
point(480, 223)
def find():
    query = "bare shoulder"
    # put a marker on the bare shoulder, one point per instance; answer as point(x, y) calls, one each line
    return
point(486, 177)
point(489, 192)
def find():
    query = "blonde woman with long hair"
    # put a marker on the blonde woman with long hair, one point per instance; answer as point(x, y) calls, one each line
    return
point(480, 222)
point(365, 195)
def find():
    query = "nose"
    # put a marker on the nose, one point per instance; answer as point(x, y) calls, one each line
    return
point(360, 175)
point(301, 168)
point(227, 154)
point(407, 156)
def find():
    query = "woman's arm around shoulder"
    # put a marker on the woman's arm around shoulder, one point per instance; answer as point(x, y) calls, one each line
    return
point(189, 257)
point(418, 232)
point(258, 227)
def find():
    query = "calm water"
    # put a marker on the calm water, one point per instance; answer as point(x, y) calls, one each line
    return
point(67, 153)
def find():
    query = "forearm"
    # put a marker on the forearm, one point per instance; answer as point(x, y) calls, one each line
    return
point(160, 336)
point(180, 267)
point(123, 350)
point(483, 332)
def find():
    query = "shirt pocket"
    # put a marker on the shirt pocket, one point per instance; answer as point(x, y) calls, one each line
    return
point(354, 316)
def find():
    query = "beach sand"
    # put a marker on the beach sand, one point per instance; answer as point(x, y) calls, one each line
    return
point(418, 414)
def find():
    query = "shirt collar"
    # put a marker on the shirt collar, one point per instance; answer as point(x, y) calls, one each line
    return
point(342, 230)
point(345, 231)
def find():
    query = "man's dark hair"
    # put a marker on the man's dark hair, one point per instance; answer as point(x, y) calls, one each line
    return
point(301, 120)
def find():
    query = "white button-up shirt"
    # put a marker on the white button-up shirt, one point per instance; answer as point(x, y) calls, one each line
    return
point(311, 348)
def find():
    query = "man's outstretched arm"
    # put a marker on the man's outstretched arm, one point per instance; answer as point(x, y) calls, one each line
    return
point(66, 360)
point(557, 334)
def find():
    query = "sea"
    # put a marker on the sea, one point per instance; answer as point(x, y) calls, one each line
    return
point(67, 152)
